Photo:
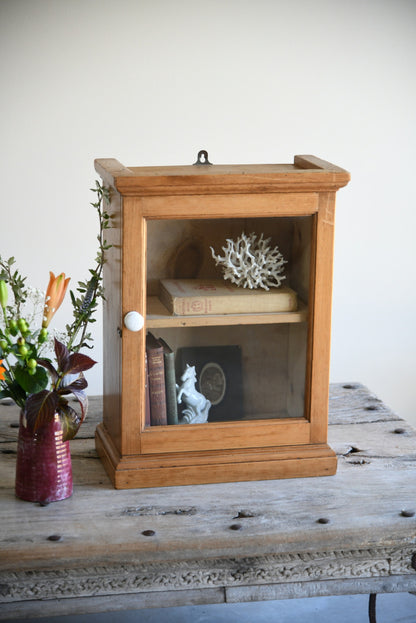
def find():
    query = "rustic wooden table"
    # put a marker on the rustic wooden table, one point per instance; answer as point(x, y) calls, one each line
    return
point(105, 550)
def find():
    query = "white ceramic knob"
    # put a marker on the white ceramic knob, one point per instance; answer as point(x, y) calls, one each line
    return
point(133, 321)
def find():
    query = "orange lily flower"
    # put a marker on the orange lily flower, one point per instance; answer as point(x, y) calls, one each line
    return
point(2, 371)
point(54, 296)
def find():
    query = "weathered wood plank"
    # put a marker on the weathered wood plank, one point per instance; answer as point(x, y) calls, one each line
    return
point(301, 590)
point(353, 403)
point(256, 540)
point(361, 504)
point(275, 576)
point(384, 440)
point(115, 603)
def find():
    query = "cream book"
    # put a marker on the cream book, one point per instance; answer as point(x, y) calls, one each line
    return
point(195, 297)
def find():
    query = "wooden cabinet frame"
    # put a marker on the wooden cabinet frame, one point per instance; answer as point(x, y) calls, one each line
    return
point(139, 456)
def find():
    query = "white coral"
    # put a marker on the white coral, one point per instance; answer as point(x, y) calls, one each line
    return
point(251, 263)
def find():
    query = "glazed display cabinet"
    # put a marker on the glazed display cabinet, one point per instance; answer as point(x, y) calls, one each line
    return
point(262, 364)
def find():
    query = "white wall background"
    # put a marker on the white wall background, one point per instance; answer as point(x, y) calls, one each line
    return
point(153, 81)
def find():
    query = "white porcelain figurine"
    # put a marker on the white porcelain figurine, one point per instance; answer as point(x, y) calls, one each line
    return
point(197, 406)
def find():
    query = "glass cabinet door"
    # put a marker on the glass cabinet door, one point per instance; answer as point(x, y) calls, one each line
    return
point(251, 365)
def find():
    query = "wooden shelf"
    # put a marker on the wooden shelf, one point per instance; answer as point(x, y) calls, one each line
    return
point(159, 317)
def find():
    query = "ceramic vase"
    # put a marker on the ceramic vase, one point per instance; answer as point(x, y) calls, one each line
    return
point(43, 466)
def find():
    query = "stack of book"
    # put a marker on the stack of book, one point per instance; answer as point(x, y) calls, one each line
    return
point(161, 405)
point(219, 378)
point(193, 297)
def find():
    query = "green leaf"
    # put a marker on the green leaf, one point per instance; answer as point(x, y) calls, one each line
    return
point(31, 383)
point(13, 390)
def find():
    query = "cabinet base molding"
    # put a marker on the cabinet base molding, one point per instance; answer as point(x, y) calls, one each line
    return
point(190, 468)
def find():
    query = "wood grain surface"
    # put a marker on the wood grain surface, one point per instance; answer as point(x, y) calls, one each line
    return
point(121, 549)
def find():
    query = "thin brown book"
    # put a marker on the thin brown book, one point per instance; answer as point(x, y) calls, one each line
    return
point(194, 297)
point(156, 372)
point(170, 382)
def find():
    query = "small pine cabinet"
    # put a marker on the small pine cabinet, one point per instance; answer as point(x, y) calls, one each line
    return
point(266, 372)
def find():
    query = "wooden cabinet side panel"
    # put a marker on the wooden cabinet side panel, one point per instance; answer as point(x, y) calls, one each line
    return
point(111, 320)
point(321, 318)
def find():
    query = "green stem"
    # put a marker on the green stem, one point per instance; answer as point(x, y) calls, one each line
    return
point(75, 331)
point(6, 322)
point(94, 284)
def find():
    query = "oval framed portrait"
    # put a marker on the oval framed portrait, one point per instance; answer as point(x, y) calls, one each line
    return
point(213, 382)
point(219, 373)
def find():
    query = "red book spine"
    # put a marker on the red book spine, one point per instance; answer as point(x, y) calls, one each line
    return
point(157, 387)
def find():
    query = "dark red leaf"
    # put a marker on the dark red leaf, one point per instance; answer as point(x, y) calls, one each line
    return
point(83, 402)
point(62, 356)
point(76, 389)
point(79, 384)
point(40, 408)
point(70, 421)
point(79, 363)
point(45, 363)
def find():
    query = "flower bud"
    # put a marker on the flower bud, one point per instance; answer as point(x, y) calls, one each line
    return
point(22, 324)
point(43, 335)
point(3, 293)
point(54, 296)
point(13, 327)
